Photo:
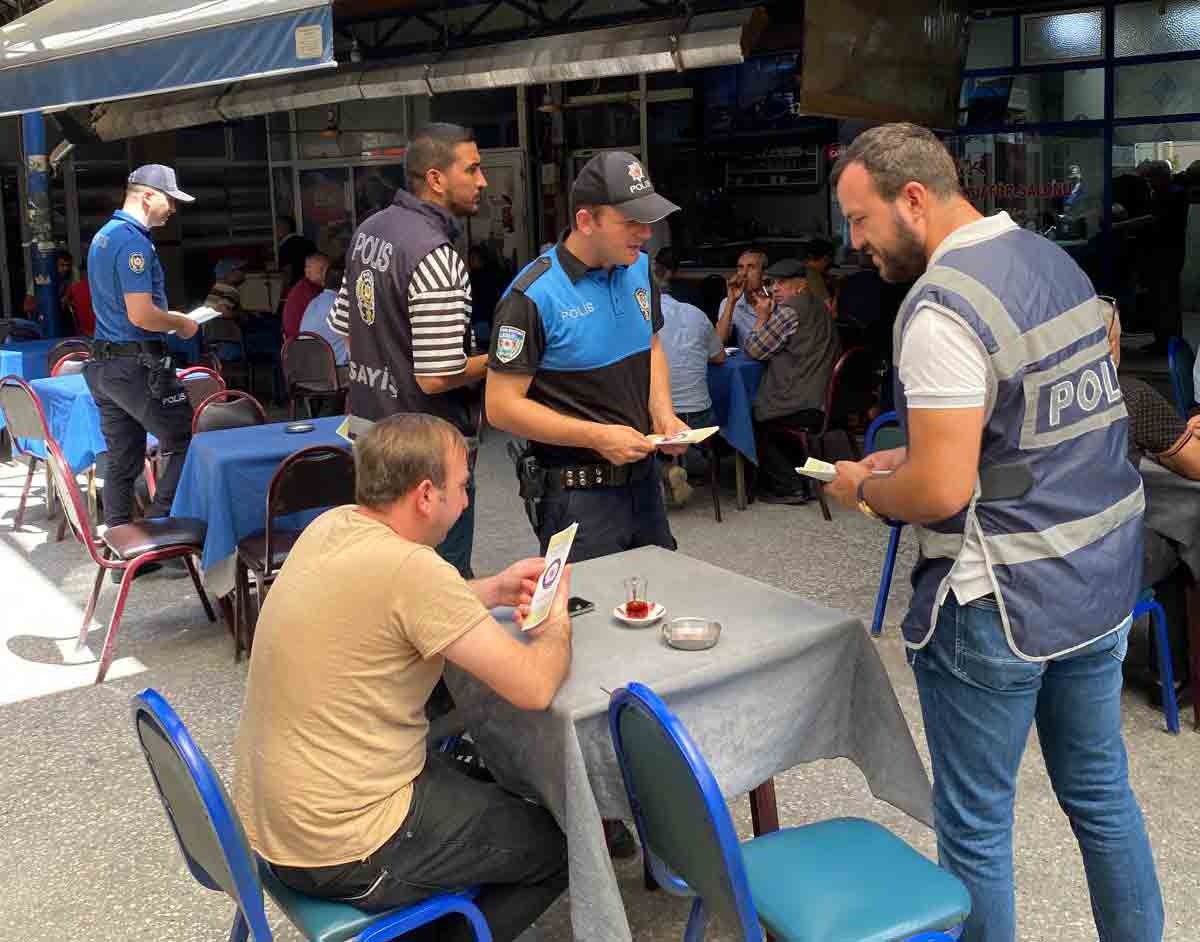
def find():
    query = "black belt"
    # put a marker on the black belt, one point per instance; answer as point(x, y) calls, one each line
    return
point(576, 477)
point(108, 349)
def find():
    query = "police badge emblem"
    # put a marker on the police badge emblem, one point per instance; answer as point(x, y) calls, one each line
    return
point(510, 341)
point(137, 262)
point(643, 300)
point(364, 293)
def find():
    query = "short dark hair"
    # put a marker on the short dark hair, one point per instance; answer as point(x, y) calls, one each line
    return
point(818, 248)
point(333, 278)
point(432, 148)
point(398, 453)
point(667, 258)
point(895, 155)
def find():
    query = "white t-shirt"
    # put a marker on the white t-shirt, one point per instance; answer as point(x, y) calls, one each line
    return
point(943, 365)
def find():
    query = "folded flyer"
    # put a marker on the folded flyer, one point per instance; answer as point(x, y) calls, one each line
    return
point(691, 437)
point(824, 471)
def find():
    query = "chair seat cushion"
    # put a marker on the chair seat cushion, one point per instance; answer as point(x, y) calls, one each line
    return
point(319, 920)
point(253, 549)
point(314, 389)
point(155, 533)
point(849, 880)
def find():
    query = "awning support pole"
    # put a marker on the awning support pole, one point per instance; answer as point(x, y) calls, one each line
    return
point(41, 229)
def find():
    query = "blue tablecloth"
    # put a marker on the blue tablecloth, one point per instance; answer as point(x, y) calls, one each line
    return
point(733, 386)
point(226, 475)
point(73, 418)
point(26, 358)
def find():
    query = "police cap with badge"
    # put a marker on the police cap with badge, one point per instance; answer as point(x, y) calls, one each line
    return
point(616, 178)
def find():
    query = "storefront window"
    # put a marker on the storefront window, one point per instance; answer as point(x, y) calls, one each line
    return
point(990, 45)
point(1159, 88)
point(1144, 29)
point(375, 188)
point(1077, 95)
point(1061, 37)
point(490, 113)
point(325, 209)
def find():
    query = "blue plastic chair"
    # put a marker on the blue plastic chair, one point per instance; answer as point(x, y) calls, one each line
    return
point(886, 424)
point(215, 848)
point(842, 880)
point(1181, 360)
point(1147, 604)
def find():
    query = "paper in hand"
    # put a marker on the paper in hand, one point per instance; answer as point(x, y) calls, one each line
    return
point(691, 437)
point(824, 471)
point(202, 315)
point(557, 551)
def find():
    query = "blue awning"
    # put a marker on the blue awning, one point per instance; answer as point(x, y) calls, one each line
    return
point(77, 52)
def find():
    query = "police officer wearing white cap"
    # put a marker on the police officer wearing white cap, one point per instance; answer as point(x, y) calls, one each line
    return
point(576, 367)
point(130, 374)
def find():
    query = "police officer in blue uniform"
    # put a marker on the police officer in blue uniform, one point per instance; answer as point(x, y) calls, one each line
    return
point(577, 368)
point(130, 374)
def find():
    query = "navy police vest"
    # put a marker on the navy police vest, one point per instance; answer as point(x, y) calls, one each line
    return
point(1064, 558)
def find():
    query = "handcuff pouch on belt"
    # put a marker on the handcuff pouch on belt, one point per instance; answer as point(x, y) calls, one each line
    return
point(531, 479)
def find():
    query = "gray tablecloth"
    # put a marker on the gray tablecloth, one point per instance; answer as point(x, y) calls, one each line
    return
point(1172, 511)
point(788, 683)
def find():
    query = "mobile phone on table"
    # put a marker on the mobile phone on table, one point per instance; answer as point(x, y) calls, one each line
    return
point(578, 606)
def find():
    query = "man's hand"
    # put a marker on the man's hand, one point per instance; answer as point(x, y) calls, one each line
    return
point(558, 619)
point(888, 460)
point(735, 284)
point(844, 488)
point(186, 328)
point(764, 307)
point(620, 444)
point(515, 585)
point(672, 425)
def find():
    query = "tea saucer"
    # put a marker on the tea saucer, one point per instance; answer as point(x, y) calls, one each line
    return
point(656, 612)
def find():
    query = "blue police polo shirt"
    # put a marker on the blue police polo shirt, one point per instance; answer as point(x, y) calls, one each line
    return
point(584, 336)
point(122, 260)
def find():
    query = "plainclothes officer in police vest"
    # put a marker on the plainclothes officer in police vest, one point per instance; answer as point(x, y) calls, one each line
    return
point(1029, 517)
point(577, 368)
point(130, 374)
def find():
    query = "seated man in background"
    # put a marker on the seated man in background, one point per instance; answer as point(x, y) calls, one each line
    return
point(334, 778)
point(691, 343)
point(302, 292)
point(743, 289)
point(315, 321)
point(794, 333)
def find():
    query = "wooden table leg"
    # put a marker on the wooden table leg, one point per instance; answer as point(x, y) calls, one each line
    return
point(763, 812)
point(1192, 614)
point(740, 467)
point(226, 604)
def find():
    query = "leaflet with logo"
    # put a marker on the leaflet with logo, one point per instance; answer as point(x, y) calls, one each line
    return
point(691, 437)
point(557, 552)
point(824, 471)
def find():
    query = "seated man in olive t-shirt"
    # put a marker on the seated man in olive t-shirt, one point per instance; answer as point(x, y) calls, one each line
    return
point(333, 776)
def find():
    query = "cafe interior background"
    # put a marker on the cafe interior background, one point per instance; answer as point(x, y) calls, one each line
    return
point(1046, 106)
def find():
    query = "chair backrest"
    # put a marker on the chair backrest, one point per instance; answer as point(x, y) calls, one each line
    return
point(23, 413)
point(884, 433)
point(19, 330)
point(222, 330)
point(682, 820)
point(308, 358)
point(206, 825)
point(200, 382)
point(74, 506)
point(1181, 360)
point(851, 386)
point(319, 476)
point(65, 347)
point(71, 363)
point(229, 408)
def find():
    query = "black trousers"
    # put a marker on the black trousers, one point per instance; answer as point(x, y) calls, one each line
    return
point(459, 832)
point(611, 519)
point(778, 455)
point(136, 396)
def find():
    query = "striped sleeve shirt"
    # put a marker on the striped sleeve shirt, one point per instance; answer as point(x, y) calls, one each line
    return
point(439, 309)
point(339, 315)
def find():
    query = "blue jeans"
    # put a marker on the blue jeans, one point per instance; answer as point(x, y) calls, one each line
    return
point(979, 700)
point(460, 541)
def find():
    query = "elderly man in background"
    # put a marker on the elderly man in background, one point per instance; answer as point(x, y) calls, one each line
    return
point(737, 316)
point(794, 333)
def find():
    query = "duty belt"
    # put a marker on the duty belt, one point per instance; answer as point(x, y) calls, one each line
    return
point(577, 477)
point(108, 349)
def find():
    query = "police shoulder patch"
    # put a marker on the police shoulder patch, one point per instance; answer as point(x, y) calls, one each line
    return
point(643, 300)
point(510, 341)
point(137, 262)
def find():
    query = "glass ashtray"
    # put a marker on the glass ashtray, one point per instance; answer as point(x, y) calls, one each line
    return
point(691, 634)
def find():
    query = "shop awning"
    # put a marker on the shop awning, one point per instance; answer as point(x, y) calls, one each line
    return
point(75, 52)
point(708, 40)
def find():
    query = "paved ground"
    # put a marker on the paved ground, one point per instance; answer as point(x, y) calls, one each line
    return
point(87, 854)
